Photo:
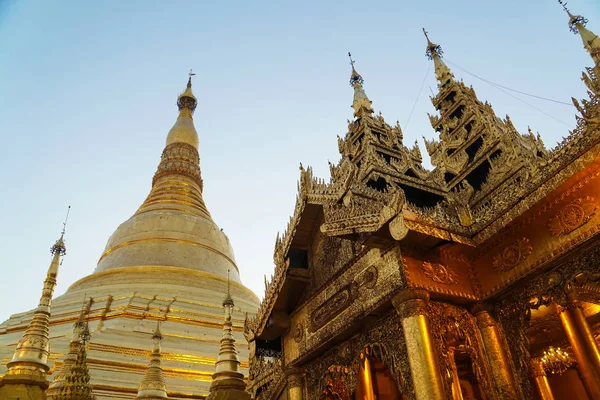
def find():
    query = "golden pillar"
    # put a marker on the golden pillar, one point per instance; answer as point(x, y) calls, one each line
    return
point(496, 354)
point(411, 306)
point(367, 378)
point(295, 386)
point(538, 375)
point(456, 390)
point(583, 344)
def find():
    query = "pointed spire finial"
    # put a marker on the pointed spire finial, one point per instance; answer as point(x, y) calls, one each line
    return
point(187, 102)
point(73, 379)
point(153, 383)
point(355, 78)
point(228, 299)
point(361, 103)
point(575, 21)
point(31, 354)
point(59, 246)
point(433, 50)
point(190, 74)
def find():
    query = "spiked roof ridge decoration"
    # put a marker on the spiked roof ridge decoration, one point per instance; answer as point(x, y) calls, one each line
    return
point(29, 363)
point(361, 103)
point(228, 382)
point(72, 380)
point(577, 25)
point(434, 52)
point(153, 385)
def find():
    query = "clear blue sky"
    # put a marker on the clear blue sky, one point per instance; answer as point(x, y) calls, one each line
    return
point(88, 90)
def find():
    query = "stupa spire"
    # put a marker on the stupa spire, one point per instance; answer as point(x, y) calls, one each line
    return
point(72, 380)
point(30, 359)
point(434, 52)
point(153, 385)
point(577, 25)
point(228, 381)
point(361, 103)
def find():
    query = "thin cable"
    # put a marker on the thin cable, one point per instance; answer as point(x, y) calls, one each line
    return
point(507, 88)
point(419, 95)
point(499, 87)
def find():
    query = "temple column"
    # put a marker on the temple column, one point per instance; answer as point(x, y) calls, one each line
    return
point(497, 357)
point(456, 390)
point(294, 382)
point(538, 375)
point(411, 306)
point(583, 344)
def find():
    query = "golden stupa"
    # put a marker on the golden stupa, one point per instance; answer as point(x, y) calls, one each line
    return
point(169, 262)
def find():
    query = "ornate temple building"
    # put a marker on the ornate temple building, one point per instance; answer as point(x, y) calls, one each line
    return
point(169, 262)
point(478, 279)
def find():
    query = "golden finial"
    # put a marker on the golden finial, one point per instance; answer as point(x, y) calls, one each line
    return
point(426, 35)
point(59, 246)
point(355, 78)
point(433, 50)
point(228, 299)
point(31, 354)
point(153, 383)
point(190, 74)
point(574, 20)
point(187, 100)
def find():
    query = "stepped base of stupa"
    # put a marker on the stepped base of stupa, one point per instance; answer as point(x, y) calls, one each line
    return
point(127, 304)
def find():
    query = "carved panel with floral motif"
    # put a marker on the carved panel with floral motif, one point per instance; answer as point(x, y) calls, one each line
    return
point(512, 255)
point(439, 273)
point(572, 216)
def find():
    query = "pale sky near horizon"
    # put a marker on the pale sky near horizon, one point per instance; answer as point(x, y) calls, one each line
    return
point(88, 90)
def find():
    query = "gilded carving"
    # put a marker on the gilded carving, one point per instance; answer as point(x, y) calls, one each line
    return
point(572, 216)
point(298, 334)
point(512, 255)
point(331, 307)
point(364, 281)
point(439, 273)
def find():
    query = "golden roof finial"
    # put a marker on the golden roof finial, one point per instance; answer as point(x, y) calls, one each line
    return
point(190, 74)
point(184, 131)
point(31, 355)
point(73, 379)
point(577, 24)
point(227, 377)
point(228, 299)
point(153, 383)
point(434, 52)
point(361, 103)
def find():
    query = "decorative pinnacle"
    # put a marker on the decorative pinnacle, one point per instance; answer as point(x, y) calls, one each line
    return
point(574, 20)
point(59, 246)
point(355, 78)
point(156, 335)
point(190, 74)
point(228, 299)
point(187, 98)
point(432, 48)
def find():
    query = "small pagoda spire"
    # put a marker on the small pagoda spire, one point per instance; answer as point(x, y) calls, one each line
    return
point(228, 381)
point(153, 385)
point(72, 380)
point(361, 103)
point(184, 131)
point(30, 358)
point(434, 52)
point(591, 41)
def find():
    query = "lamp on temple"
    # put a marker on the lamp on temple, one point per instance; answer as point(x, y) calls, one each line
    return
point(555, 360)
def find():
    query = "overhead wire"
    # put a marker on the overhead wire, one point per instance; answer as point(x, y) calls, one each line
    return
point(418, 96)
